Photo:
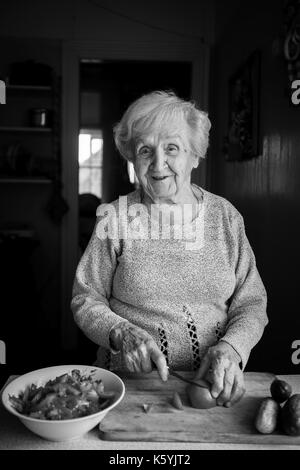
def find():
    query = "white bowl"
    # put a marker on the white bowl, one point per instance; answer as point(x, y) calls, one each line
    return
point(62, 430)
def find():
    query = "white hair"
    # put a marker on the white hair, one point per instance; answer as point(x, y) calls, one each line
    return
point(158, 111)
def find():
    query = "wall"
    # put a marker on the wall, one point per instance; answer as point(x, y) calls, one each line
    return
point(266, 189)
point(108, 19)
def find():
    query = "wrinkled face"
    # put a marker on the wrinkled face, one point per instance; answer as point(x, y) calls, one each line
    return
point(163, 164)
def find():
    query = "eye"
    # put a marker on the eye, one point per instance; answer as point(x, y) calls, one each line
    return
point(144, 152)
point(172, 149)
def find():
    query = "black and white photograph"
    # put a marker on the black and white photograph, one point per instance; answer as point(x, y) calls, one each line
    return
point(149, 228)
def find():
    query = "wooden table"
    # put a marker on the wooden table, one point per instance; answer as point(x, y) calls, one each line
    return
point(129, 427)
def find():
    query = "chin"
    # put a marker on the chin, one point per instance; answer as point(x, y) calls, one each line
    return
point(167, 194)
point(155, 195)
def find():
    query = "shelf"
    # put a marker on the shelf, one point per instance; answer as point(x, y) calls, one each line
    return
point(25, 129)
point(28, 88)
point(28, 180)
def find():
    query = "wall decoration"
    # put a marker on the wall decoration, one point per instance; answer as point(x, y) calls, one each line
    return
point(242, 140)
point(291, 46)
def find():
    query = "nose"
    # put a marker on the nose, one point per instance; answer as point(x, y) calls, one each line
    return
point(159, 160)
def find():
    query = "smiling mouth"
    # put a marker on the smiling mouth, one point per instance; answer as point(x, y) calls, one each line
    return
point(160, 178)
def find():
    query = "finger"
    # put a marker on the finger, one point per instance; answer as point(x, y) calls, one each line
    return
point(208, 375)
point(136, 361)
point(144, 357)
point(204, 367)
point(137, 368)
point(229, 379)
point(238, 392)
point(132, 362)
point(160, 361)
point(129, 364)
point(217, 376)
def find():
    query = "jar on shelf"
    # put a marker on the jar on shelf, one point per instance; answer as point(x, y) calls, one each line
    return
point(40, 117)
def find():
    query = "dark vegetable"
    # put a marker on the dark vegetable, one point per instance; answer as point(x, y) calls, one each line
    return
point(267, 416)
point(280, 390)
point(290, 416)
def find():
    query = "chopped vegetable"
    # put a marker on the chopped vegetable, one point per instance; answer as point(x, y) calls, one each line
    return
point(176, 401)
point(66, 397)
point(147, 408)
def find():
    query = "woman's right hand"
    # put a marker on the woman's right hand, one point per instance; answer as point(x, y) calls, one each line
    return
point(138, 349)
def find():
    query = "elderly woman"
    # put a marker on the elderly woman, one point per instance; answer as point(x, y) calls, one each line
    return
point(189, 299)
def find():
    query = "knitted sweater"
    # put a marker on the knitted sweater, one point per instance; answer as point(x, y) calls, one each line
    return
point(186, 295)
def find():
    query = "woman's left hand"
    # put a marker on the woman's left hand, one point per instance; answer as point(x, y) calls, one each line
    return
point(220, 367)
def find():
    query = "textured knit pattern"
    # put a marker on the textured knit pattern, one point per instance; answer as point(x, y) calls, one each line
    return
point(187, 299)
point(194, 338)
point(163, 343)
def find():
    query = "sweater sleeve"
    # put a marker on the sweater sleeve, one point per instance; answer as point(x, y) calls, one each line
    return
point(247, 317)
point(92, 289)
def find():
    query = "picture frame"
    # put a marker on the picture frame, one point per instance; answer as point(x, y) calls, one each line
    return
point(242, 140)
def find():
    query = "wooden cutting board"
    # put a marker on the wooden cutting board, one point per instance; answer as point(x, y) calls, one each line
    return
point(129, 422)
